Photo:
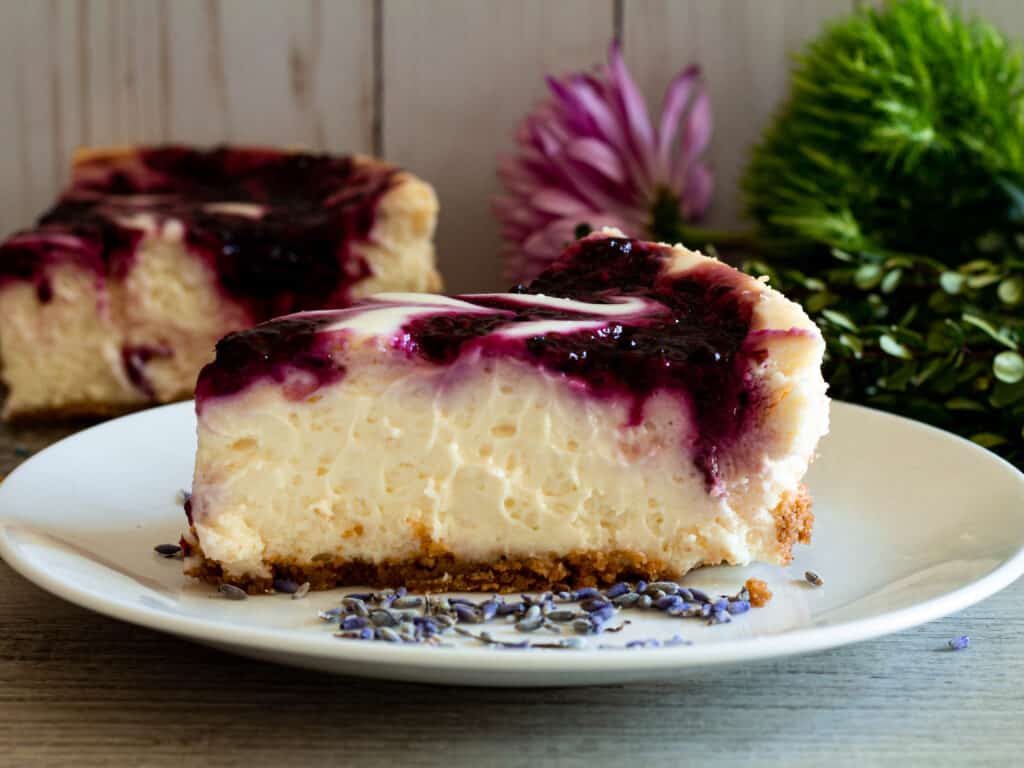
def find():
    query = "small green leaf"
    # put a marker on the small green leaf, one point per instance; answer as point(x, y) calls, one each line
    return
point(817, 302)
point(1011, 290)
point(1006, 394)
point(852, 343)
point(988, 439)
point(983, 325)
point(983, 281)
point(977, 266)
point(1008, 367)
point(952, 282)
point(964, 404)
point(892, 347)
point(839, 319)
point(891, 281)
point(867, 276)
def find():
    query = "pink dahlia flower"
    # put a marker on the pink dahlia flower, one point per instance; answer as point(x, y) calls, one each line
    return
point(589, 157)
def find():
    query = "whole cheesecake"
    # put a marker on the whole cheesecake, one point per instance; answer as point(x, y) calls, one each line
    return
point(116, 299)
point(637, 411)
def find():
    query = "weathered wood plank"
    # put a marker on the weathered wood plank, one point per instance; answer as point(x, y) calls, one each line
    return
point(458, 77)
point(133, 71)
point(744, 48)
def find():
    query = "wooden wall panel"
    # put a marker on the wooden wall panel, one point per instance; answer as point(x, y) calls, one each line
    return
point(76, 72)
point(744, 48)
point(437, 85)
point(458, 77)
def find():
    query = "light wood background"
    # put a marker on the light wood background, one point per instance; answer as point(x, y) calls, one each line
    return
point(435, 85)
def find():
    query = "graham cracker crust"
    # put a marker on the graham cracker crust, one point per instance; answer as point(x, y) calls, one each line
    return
point(436, 570)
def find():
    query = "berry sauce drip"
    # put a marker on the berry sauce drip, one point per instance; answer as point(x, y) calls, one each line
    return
point(695, 347)
point(290, 351)
point(296, 254)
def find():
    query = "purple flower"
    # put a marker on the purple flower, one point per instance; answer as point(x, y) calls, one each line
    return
point(589, 157)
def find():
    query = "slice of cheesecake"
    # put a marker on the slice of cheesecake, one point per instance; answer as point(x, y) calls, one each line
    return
point(117, 297)
point(637, 411)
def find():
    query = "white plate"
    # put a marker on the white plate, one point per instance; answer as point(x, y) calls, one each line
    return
point(912, 524)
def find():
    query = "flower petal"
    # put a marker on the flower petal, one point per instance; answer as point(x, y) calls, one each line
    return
point(677, 98)
point(633, 107)
point(559, 203)
point(697, 134)
point(697, 192)
point(598, 155)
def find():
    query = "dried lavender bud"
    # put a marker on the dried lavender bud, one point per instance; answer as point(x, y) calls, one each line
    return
point(489, 609)
point(668, 602)
point(720, 617)
point(532, 613)
point(586, 592)
point(302, 591)
point(813, 578)
point(331, 614)
point(644, 601)
point(562, 615)
point(407, 602)
point(668, 587)
point(593, 604)
point(640, 586)
point(354, 622)
point(700, 595)
point(467, 614)
point(530, 624)
point(583, 626)
point(959, 643)
point(287, 586)
point(231, 592)
point(381, 617)
point(388, 634)
point(509, 608)
point(355, 605)
point(675, 641)
point(627, 600)
point(720, 605)
point(738, 606)
point(602, 614)
point(167, 550)
point(617, 590)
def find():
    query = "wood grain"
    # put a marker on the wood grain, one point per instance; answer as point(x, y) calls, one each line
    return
point(79, 689)
point(744, 48)
point(76, 72)
point(458, 77)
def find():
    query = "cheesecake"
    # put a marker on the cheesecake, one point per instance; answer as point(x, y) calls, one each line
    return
point(636, 411)
point(115, 299)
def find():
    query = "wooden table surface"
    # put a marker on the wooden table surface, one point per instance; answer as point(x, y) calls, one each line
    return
point(78, 689)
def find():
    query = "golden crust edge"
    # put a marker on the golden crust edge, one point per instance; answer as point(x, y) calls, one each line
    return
point(435, 570)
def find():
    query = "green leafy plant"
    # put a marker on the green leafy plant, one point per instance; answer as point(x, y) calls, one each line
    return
point(889, 198)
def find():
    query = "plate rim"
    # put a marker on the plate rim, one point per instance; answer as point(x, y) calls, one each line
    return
point(308, 645)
